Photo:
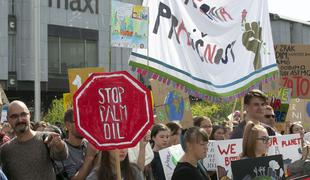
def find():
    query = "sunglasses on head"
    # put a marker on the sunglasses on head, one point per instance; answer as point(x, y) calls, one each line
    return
point(269, 116)
point(265, 139)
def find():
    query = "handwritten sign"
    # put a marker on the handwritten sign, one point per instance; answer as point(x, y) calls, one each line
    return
point(229, 150)
point(209, 161)
point(293, 62)
point(225, 152)
point(169, 158)
point(299, 110)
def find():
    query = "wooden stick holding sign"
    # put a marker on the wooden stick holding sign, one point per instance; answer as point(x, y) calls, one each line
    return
point(117, 163)
point(242, 108)
point(105, 109)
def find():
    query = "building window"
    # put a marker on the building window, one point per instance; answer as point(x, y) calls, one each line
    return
point(71, 48)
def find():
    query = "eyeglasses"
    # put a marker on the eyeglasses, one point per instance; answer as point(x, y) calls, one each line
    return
point(206, 126)
point(21, 115)
point(269, 116)
point(265, 139)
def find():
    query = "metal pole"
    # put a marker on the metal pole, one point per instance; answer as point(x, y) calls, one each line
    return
point(37, 87)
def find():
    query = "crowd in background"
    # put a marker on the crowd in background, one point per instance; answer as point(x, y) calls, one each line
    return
point(43, 151)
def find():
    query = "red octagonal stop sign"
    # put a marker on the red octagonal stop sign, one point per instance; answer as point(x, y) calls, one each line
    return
point(112, 110)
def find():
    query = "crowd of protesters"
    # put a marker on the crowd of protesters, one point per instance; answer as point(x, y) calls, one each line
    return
point(43, 151)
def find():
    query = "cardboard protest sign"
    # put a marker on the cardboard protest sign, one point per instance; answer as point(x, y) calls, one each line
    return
point(279, 99)
point(209, 161)
point(268, 167)
point(229, 150)
point(171, 104)
point(169, 158)
point(294, 65)
point(67, 98)
point(280, 104)
point(225, 152)
point(77, 76)
point(299, 110)
point(129, 25)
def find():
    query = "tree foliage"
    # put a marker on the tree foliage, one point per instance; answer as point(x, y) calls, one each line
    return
point(217, 112)
point(55, 113)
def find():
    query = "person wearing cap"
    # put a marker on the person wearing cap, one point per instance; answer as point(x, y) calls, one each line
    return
point(81, 153)
point(29, 154)
point(255, 102)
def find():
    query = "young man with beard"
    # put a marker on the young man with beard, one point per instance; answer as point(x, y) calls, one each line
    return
point(255, 102)
point(81, 153)
point(29, 154)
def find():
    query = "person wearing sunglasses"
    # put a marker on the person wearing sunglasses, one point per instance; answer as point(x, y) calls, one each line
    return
point(255, 141)
point(270, 119)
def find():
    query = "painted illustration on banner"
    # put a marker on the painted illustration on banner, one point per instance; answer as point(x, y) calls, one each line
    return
point(171, 104)
point(129, 25)
point(261, 168)
point(197, 49)
point(77, 76)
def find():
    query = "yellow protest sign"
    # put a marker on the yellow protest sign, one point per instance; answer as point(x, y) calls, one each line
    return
point(67, 97)
point(77, 76)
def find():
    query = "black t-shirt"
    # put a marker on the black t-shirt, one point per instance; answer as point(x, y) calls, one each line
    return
point(157, 167)
point(186, 171)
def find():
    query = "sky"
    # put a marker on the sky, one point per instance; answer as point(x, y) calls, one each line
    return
point(297, 9)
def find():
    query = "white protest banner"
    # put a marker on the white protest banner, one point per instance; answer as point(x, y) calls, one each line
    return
point(225, 152)
point(209, 161)
point(171, 155)
point(289, 146)
point(169, 158)
point(197, 44)
point(229, 150)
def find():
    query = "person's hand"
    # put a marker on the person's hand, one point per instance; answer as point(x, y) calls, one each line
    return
point(53, 140)
point(305, 152)
point(91, 150)
point(145, 139)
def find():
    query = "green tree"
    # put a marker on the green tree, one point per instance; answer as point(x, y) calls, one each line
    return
point(217, 112)
point(55, 113)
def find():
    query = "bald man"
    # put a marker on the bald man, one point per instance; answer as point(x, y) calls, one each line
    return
point(29, 154)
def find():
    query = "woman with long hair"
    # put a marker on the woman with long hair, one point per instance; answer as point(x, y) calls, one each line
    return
point(160, 135)
point(255, 141)
point(218, 133)
point(105, 167)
